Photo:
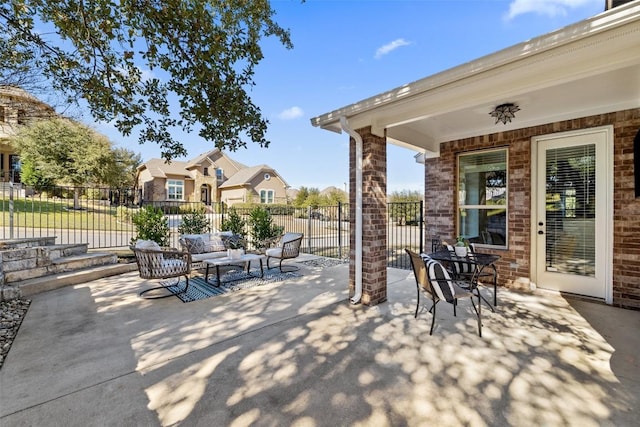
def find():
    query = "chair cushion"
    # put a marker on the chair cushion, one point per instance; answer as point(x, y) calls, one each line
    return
point(274, 252)
point(441, 281)
point(208, 255)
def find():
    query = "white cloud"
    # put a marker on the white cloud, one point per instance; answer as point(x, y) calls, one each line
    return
point(389, 47)
point(549, 8)
point(291, 113)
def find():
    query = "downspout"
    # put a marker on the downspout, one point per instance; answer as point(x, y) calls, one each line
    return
point(358, 139)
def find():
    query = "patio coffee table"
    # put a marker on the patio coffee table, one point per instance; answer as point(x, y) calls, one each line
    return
point(221, 262)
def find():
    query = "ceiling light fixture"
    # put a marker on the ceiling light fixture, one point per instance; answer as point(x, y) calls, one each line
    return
point(504, 112)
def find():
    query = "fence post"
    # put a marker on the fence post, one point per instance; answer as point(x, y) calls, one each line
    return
point(309, 227)
point(339, 230)
point(11, 208)
point(421, 226)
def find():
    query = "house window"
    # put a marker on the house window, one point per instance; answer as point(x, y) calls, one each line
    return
point(206, 172)
point(219, 174)
point(175, 189)
point(266, 196)
point(482, 197)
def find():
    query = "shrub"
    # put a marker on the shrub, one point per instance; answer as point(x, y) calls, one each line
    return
point(234, 223)
point(151, 224)
point(263, 230)
point(194, 222)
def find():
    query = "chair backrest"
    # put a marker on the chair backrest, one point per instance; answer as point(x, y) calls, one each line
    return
point(462, 267)
point(291, 243)
point(419, 270)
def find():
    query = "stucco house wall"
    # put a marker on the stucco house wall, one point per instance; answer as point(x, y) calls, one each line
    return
point(514, 265)
point(17, 108)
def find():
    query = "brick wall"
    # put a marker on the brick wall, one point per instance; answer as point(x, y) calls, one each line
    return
point(374, 217)
point(440, 198)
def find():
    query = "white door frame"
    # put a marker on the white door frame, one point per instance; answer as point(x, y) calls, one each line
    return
point(608, 161)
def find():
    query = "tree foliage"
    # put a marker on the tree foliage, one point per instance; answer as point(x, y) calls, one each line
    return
point(130, 60)
point(120, 171)
point(64, 152)
point(312, 197)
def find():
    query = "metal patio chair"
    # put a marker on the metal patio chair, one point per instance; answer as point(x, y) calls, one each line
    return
point(432, 278)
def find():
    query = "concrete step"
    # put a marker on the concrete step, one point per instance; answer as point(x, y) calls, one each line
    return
point(83, 260)
point(38, 285)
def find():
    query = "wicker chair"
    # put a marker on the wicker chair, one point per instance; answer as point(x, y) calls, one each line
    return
point(288, 248)
point(162, 263)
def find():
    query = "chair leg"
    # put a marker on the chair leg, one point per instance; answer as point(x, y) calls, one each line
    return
point(418, 304)
point(187, 285)
point(289, 269)
point(495, 286)
point(433, 319)
point(479, 313)
point(170, 294)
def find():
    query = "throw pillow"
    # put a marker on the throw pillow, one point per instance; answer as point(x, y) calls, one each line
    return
point(194, 245)
point(147, 244)
point(233, 242)
point(216, 244)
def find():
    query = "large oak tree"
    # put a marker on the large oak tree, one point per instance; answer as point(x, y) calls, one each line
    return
point(63, 152)
point(200, 55)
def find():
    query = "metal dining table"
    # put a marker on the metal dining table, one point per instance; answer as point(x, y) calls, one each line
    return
point(478, 262)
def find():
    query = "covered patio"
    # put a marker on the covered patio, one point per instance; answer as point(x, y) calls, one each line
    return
point(574, 88)
point(297, 353)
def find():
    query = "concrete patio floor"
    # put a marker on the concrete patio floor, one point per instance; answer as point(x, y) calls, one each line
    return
point(296, 353)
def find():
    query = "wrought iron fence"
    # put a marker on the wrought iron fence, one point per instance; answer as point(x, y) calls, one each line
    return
point(101, 217)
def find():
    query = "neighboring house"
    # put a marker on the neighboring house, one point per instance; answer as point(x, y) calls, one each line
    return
point(17, 108)
point(551, 190)
point(210, 177)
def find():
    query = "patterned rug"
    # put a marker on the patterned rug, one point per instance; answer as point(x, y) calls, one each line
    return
point(233, 280)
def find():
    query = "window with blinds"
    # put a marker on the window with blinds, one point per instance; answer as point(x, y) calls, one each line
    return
point(482, 197)
point(570, 209)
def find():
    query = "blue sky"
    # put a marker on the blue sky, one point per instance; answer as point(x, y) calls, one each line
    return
point(348, 50)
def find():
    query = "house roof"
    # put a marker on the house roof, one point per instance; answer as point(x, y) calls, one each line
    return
point(159, 169)
point(202, 158)
point(246, 175)
point(591, 67)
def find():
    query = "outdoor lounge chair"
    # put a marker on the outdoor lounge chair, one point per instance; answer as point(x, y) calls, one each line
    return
point(155, 262)
point(288, 248)
point(433, 278)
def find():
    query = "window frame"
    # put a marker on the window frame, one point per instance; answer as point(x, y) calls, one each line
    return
point(268, 192)
point(175, 183)
point(480, 207)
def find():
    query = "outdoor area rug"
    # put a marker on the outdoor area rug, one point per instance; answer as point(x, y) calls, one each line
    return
point(232, 281)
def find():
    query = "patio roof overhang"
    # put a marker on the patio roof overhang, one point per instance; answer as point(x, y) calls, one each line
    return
point(588, 68)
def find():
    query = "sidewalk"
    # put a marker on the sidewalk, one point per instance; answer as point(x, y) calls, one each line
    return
point(297, 353)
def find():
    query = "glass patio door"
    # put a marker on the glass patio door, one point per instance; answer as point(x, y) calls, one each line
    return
point(571, 225)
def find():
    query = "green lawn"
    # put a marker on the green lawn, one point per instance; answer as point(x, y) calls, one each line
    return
point(59, 213)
